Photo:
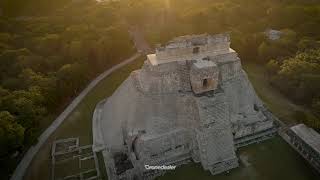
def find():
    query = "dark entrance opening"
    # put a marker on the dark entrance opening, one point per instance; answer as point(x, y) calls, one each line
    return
point(195, 50)
point(122, 162)
point(205, 83)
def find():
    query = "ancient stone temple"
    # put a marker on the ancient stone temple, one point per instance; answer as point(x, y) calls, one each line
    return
point(190, 102)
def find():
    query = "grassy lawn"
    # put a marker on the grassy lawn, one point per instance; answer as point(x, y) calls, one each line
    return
point(280, 105)
point(79, 123)
point(102, 166)
point(270, 160)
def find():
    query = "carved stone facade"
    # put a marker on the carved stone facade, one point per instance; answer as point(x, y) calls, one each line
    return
point(191, 47)
point(204, 76)
point(306, 142)
point(190, 102)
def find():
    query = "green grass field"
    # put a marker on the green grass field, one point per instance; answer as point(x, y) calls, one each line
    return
point(102, 166)
point(270, 160)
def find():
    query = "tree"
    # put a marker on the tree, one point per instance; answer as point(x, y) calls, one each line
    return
point(27, 107)
point(316, 104)
point(70, 78)
point(49, 44)
point(299, 76)
point(34, 62)
point(275, 49)
point(8, 62)
point(11, 134)
point(75, 50)
point(3, 93)
point(11, 83)
point(273, 66)
point(267, 51)
point(30, 78)
point(6, 38)
point(307, 43)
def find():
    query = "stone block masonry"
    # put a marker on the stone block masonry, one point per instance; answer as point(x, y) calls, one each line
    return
point(191, 101)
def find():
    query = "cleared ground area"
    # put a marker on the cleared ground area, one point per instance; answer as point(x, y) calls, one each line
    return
point(270, 160)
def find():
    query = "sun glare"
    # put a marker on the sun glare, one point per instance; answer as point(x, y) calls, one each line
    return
point(167, 4)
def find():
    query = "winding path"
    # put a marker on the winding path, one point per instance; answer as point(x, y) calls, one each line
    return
point(142, 47)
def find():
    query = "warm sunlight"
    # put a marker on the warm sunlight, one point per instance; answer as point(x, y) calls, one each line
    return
point(167, 2)
point(160, 89)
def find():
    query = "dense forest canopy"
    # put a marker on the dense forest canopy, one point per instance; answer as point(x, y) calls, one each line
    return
point(13, 8)
point(45, 60)
point(49, 50)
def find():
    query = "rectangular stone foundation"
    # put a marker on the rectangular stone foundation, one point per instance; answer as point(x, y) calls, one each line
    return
point(224, 166)
point(255, 138)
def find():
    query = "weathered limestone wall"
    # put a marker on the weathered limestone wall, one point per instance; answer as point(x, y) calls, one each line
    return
point(204, 76)
point(188, 113)
point(214, 138)
point(244, 130)
point(192, 48)
point(230, 70)
point(187, 53)
point(245, 107)
point(163, 78)
point(152, 149)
